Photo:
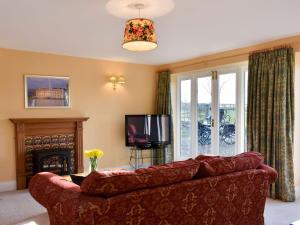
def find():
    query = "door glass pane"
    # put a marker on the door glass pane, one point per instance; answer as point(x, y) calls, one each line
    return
point(227, 114)
point(185, 118)
point(204, 115)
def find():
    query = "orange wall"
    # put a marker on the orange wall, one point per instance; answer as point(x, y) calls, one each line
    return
point(91, 96)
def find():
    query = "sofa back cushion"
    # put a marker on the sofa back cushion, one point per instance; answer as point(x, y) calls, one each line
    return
point(216, 166)
point(205, 158)
point(107, 184)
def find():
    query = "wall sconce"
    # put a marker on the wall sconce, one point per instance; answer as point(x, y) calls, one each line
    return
point(115, 80)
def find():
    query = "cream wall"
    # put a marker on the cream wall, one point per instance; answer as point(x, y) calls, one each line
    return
point(91, 96)
point(297, 121)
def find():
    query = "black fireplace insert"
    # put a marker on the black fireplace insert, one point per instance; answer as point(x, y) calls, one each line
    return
point(57, 161)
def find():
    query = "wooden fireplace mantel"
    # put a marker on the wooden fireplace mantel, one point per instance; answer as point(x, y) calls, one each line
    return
point(46, 126)
point(48, 120)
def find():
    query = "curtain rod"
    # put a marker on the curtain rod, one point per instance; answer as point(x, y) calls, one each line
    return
point(271, 49)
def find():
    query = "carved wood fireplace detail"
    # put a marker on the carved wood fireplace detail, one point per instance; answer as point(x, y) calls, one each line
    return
point(37, 134)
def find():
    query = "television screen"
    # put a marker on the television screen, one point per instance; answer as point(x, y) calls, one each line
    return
point(147, 131)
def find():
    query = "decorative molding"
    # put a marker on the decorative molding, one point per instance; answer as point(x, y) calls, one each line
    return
point(8, 186)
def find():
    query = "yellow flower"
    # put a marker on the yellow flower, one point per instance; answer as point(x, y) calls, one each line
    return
point(94, 153)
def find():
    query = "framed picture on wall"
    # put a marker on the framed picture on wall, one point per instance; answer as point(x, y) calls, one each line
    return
point(47, 91)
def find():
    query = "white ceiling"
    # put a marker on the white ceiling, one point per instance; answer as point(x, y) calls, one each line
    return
point(195, 27)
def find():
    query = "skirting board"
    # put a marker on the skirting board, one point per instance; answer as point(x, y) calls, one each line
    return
point(8, 186)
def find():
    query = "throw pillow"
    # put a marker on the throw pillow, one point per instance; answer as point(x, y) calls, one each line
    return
point(223, 165)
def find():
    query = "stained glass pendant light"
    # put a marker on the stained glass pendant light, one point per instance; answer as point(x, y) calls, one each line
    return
point(139, 33)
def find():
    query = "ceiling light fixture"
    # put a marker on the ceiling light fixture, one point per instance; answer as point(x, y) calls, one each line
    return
point(139, 33)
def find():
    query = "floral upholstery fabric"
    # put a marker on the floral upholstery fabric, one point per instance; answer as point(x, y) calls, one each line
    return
point(107, 184)
point(216, 166)
point(206, 157)
point(231, 199)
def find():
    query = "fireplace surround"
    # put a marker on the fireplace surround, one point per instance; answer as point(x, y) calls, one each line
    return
point(46, 134)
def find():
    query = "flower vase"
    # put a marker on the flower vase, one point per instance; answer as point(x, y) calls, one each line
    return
point(93, 163)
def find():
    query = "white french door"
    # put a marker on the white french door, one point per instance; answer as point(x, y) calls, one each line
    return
point(210, 113)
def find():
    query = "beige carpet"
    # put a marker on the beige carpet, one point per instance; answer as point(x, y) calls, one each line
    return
point(19, 208)
point(283, 213)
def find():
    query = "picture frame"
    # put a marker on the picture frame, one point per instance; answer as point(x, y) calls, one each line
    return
point(47, 91)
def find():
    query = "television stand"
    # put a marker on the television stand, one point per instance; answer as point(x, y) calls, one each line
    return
point(139, 155)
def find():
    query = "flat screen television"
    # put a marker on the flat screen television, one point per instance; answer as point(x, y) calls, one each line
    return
point(147, 131)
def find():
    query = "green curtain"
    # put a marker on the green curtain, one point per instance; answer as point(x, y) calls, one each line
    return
point(270, 116)
point(163, 106)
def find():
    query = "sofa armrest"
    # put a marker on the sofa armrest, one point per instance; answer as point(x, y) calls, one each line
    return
point(62, 197)
point(46, 188)
point(270, 171)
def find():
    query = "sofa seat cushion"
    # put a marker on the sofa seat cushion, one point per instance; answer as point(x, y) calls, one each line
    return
point(216, 166)
point(107, 184)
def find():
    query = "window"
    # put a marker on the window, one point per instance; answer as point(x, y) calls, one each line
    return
point(211, 113)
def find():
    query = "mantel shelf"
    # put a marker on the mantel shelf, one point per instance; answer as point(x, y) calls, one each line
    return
point(48, 120)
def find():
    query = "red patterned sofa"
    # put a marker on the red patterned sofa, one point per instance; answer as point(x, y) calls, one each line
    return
point(204, 191)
